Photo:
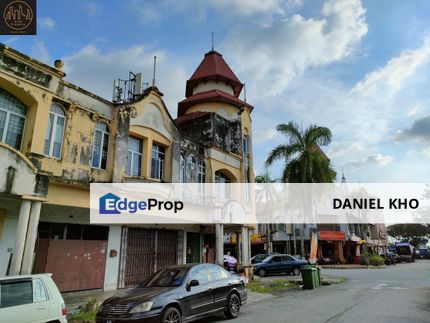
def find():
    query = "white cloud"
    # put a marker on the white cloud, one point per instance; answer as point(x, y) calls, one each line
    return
point(362, 125)
point(236, 8)
point(418, 131)
point(46, 23)
point(345, 148)
point(149, 13)
point(95, 70)
point(92, 8)
point(197, 11)
point(40, 52)
point(263, 136)
point(11, 40)
point(378, 159)
point(249, 7)
point(395, 72)
point(413, 110)
point(272, 55)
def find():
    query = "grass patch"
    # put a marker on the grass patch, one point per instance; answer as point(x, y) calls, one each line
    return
point(269, 287)
point(85, 314)
point(83, 317)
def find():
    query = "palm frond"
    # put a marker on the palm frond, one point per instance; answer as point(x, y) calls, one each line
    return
point(315, 135)
point(282, 151)
point(292, 131)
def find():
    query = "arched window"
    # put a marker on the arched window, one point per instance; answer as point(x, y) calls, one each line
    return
point(55, 131)
point(191, 162)
point(100, 145)
point(221, 177)
point(12, 119)
point(222, 191)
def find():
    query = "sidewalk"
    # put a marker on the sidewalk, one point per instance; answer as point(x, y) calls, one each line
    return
point(328, 279)
point(349, 266)
point(74, 300)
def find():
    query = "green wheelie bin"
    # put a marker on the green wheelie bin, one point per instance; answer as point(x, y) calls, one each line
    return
point(319, 276)
point(310, 277)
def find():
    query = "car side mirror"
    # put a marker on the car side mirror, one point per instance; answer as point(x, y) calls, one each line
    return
point(192, 283)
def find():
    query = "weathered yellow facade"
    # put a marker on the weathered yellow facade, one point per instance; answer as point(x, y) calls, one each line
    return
point(46, 195)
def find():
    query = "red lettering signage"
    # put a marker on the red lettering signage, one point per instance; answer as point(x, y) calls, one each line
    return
point(332, 235)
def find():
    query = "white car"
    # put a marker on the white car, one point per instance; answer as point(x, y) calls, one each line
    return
point(31, 298)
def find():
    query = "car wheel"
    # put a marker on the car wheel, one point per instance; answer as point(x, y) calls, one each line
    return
point(296, 271)
point(233, 306)
point(262, 272)
point(171, 315)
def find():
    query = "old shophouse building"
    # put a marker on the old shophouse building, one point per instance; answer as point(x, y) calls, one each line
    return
point(56, 138)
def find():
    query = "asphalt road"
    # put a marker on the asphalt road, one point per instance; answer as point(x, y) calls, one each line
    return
point(399, 293)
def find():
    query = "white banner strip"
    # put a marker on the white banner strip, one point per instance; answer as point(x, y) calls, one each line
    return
point(237, 203)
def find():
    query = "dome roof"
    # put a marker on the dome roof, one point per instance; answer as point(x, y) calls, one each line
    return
point(213, 67)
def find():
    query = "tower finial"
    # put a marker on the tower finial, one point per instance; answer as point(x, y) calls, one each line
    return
point(153, 74)
point(343, 176)
point(212, 40)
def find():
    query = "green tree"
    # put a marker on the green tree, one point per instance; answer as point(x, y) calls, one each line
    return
point(266, 195)
point(304, 160)
point(412, 232)
point(265, 177)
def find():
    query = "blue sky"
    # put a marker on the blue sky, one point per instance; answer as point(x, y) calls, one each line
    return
point(360, 68)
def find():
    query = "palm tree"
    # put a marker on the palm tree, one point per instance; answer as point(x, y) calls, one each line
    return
point(305, 162)
point(266, 195)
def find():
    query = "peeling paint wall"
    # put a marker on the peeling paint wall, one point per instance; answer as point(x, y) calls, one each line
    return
point(191, 149)
point(16, 175)
point(214, 130)
point(152, 123)
point(38, 86)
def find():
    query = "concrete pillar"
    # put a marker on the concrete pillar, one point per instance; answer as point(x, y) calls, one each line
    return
point(27, 261)
point(239, 246)
point(219, 244)
point(113, 255)
point(21, 232)
point(245, 246)
point(121, 143)
point(269, 246)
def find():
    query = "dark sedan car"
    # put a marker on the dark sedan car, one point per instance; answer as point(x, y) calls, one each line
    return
point(177, 294)
point(279, 264)
point(422, 253)
point(390, 258)
point(261, 256)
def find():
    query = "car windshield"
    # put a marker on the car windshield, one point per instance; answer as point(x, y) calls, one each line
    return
point(169, 277)
point(260, 257)
point(270, 259)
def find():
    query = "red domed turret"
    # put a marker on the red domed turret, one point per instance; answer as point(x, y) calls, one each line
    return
point(213, 68)
point(212, 81)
